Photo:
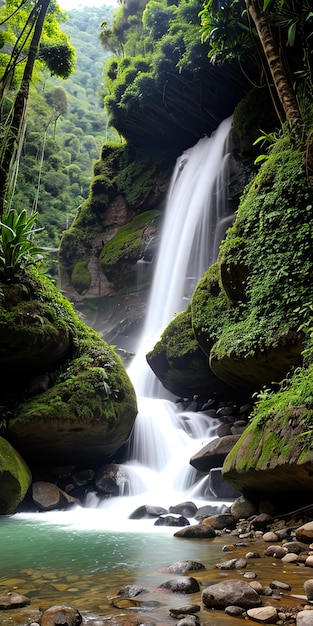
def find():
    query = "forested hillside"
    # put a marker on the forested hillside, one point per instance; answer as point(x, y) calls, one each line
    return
point(66, 126)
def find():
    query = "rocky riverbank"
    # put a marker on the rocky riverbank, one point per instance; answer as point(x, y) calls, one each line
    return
point(264, 575)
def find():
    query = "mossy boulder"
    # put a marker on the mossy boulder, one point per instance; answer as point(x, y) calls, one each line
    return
point(35, 332)
point(73, 404)
point(15, 478)
point(247, 310)
point(85, 416)
point(180, 364)
point(273, 459)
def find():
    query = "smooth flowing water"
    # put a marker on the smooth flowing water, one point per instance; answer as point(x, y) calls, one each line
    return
point(84, 556)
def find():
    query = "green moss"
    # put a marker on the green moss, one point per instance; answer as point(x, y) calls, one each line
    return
point(75, 245)
point(178, 339)
point(15, 478)
point(127, 241)
point(92, 387)
point(81, 278)
point(265, 259)
point(210, 308)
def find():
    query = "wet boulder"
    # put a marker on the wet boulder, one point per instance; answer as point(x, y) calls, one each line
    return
point(48, 496)
point(61, 614)
point(197, 531)
point(112, 480)
point(230, 592)
point(172, 520)
point(214, 453)
point(182, 567)
point(188, 509)
point(13, 600)
point(147, 510)
point(181, 585)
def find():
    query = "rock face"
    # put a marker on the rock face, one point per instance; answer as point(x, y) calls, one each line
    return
point(15, 478)
point(117, 226)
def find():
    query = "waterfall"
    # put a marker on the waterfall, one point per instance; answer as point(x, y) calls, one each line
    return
point(164, 439)
point(194, 225)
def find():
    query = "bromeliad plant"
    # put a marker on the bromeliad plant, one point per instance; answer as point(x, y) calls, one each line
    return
point(17, 249)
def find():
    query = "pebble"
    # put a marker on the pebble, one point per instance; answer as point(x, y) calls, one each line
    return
point(277, 584)
point(235, 611)
point(250, 575)
point(265, 614)
point(270, 537)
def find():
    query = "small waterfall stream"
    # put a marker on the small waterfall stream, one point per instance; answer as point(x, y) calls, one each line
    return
point(163, 438)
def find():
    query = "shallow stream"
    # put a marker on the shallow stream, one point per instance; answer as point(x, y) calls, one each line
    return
point(70, 558)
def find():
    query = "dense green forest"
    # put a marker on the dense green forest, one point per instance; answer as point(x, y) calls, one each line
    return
point(66, 126)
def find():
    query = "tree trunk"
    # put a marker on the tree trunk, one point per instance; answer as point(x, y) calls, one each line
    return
point(20, 103)
point(284, 90)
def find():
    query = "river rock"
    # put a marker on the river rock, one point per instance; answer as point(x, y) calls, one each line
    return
point(171, 520)
point(278, 584)
point(305, 533)
point(181, 585)
point(214, 453)
point(188, 620)
point(270, 537)
point(12, 600)
point(47, 496)
point(147, 510)
point(61, 615)
point(230, 592)
point(180, 612)
point(208, 510)
point(232, 564)
point(243, 508)
point(181, 567)
point(295, 546)
point(305, 618)
point(198, 531)
point(264, 614)
point(275, 551)
point(308, 588)
point(112, 480)
point(188, 509)
point(221, 521)
point(131, 591)
point(235, 611)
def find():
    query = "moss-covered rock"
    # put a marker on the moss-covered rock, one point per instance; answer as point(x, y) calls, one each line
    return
point(180, 364)
point(273, 459)
point(247, 310)
point(87, 414)
point(15, 478)
point(36, 329)
point(85, 408)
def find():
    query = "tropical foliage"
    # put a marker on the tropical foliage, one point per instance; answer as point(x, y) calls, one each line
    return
point(277, 35)
point(66, 126)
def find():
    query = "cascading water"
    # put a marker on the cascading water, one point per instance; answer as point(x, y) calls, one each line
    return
point(163, 440)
